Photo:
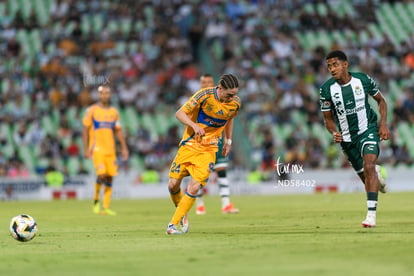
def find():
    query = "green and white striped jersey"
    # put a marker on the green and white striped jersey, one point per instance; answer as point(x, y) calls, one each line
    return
point(349, 103)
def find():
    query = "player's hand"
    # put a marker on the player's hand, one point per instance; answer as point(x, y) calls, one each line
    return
point(199, 130)
point(125, 154)
point(384, 132)
point(88, 154)
point(337, 137)
point(226, 150)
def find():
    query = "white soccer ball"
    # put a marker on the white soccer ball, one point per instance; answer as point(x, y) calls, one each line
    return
point(23, 227)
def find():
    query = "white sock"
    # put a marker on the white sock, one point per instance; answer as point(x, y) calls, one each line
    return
point(224, 191)
point(199, 198)
point(372, 207)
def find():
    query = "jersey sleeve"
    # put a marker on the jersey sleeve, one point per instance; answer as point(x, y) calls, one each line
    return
point(118, 124)
point(238, 105)
point(194, 102)
point(324, 100)
point(87, 118)
point(370, 86)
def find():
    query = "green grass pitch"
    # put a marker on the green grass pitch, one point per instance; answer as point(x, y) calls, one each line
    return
point(317, 234)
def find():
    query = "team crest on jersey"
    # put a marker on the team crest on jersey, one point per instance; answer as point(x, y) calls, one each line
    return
point(326, 104)
point(209, 107)
point(358, 90)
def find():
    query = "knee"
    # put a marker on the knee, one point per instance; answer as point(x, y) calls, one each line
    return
point(193, 188)
point(101, 179)
point(174, 185)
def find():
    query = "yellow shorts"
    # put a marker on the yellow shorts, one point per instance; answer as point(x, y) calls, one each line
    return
point(197, 164)
point(105, 164)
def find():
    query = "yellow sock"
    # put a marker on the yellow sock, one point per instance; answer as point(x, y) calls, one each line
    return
point(97, 192)
point(183, 207)
point(176, 197)
point(107, 197)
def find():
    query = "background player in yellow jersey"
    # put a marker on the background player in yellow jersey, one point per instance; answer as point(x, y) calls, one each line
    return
point(206, 115)
point(220, 167)
point(100, 126)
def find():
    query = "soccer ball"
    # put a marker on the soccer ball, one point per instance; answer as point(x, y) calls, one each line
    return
point(23, 228)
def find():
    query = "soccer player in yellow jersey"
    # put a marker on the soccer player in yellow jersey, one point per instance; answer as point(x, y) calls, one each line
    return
point(220, 167)
point(100, 126)
point(206, 115)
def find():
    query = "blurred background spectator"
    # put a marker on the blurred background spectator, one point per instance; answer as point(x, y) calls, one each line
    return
point(54, 53)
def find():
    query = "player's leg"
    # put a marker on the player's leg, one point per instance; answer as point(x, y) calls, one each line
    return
point(201, 209)
point(112, 170)
point(220, 167)
point(174, 187)
point(99, 165)
point(224, 190)
point(178, 171)
point(364, 154)
point(185, 204)
point(100, 180)
point(371, 184)
point(107, 197)
point(382, 176)
point(199, 166)
point(353, 153)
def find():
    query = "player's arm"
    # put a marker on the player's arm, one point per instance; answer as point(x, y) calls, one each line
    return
point(328, 118)
point(228, 134)
point(331, 126)
point(85, 140)
point(124, 149)
point(87, 124)
point(186, 120)
point(383, 132)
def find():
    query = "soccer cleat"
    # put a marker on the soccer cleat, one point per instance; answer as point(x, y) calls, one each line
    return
point(201, 210)
point(96, 208)
point(369, 222)
point(172, 230)
point(108, 211)
point(229, 209)
point(185, 225)
point(382, 175)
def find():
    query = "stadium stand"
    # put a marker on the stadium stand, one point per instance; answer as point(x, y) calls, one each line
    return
point(55, 52)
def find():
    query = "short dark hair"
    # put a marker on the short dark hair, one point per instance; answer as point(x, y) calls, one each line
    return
point(228, 81)
point(337, 54)
point(206, 75)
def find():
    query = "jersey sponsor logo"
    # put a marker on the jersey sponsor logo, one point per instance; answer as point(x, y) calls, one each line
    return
point(354, 110)
point(103, 124)
point(205, 119)
point(349, 102)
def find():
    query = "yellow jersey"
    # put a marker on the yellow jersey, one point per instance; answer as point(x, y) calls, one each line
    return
point(205, 108)
point(102, 122)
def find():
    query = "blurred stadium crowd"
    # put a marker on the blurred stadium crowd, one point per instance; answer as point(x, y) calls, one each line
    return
point(54, 53)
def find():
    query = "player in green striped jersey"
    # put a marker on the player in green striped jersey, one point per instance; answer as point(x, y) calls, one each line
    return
point(352, 123)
